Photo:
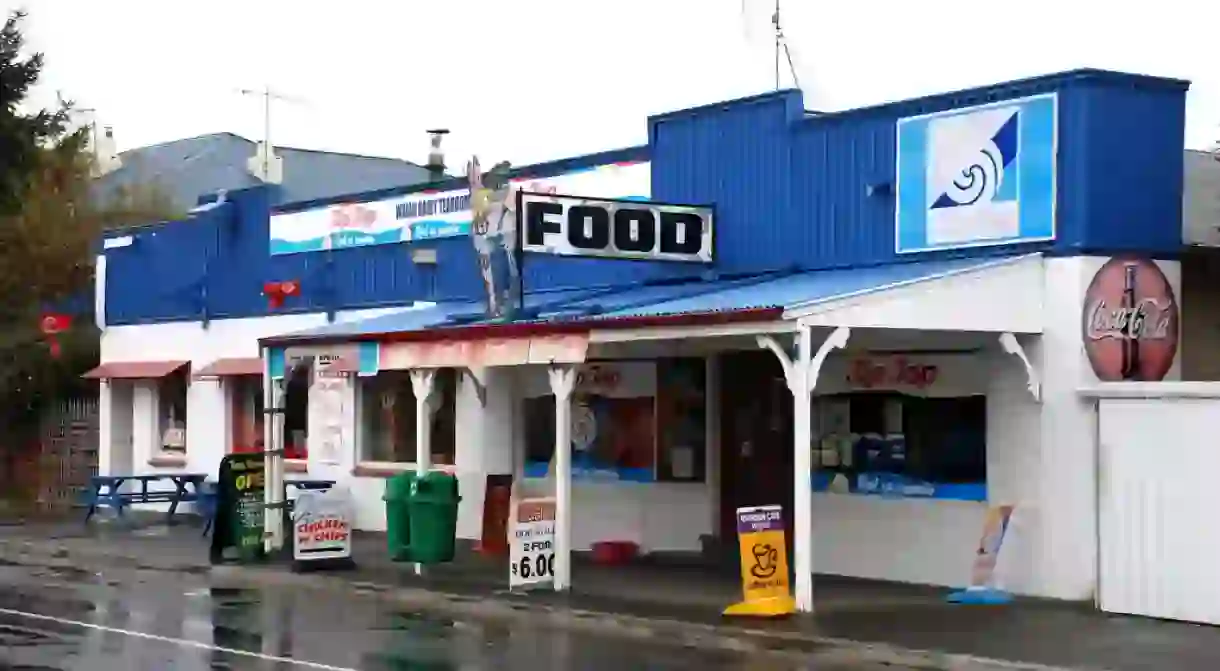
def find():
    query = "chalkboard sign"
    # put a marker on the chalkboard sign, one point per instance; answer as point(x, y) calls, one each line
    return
point(240, 508)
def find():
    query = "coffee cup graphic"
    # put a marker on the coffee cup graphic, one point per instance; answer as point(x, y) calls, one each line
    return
point(766, 561)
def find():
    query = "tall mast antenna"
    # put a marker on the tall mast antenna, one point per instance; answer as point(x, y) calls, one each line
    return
point(779, 36)
point(268, 96)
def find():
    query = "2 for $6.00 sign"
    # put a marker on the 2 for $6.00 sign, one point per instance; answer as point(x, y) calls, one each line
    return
point(531, 543)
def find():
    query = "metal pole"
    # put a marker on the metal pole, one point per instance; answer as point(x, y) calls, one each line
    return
point(775, 20)
point(267, 128)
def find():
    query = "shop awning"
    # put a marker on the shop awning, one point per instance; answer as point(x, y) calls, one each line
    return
point(134, 370)
point(231, 367)
point(484, 353)
point(996, 295)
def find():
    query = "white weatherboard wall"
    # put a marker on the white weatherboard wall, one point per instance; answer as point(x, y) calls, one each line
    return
point(121, 450)
point(1157, 497)
point(1045, 454)
point(1040, 456)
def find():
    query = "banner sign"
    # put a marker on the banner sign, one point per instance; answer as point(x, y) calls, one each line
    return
point(620, 229)
point(240, 507)
point(982, 589)
point(322, 525)
point(531, 549)
point(430, 215)
point(995, 528)
point(764, 563)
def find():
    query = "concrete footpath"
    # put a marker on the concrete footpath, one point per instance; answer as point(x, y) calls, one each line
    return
point(857, 621)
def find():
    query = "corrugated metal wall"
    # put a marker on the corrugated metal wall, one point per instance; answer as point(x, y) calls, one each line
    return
point(790, 189)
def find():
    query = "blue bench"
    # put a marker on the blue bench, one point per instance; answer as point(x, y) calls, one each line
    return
point(107, 490)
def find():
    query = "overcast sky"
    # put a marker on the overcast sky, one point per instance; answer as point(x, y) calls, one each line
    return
point(533, 80)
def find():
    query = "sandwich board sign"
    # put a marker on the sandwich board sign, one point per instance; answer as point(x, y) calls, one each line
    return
point(322, 529)
point(531, 547)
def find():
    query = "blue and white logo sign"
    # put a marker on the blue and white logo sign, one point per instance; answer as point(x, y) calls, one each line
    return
point(977, 176)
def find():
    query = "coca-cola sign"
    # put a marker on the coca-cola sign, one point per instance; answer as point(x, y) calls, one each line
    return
point(1130, 321)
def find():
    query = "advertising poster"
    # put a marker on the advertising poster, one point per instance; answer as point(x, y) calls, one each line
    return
point(432, 215)
point(531, 547)
point(613, 424)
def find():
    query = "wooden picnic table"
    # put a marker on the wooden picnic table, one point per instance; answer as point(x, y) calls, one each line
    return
point(107, 490)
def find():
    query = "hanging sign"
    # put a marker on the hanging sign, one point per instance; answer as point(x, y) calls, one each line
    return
point(887, 372)
point(322, 527)
point(531, 548)
point(240, 507)
point(764, 564)
point(623, 229)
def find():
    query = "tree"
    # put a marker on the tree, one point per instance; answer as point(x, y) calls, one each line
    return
point(22, 135)
point(49, 224)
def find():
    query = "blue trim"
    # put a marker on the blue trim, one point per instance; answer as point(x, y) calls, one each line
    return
point(370, 358)
point(537, 470)
point(548, 169)
point(275, 362)
point(893, 486)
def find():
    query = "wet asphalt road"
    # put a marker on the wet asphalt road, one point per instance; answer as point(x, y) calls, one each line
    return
point(57, 619)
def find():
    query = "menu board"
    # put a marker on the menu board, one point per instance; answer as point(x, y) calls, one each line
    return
point(240, 508)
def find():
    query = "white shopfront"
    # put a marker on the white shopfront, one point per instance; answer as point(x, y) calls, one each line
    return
point(1039, 434)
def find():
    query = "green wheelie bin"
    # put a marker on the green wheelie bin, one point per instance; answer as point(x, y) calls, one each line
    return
point(398, 515)
point(433, 517)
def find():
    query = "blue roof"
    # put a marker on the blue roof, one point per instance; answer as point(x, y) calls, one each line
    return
point(777, 290)
point(801, 289)
point(197, 166)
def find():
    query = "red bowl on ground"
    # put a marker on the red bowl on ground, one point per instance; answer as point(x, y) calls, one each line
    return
point(615, 553)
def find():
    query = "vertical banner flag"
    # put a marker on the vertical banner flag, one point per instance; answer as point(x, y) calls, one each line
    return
point(982, 589)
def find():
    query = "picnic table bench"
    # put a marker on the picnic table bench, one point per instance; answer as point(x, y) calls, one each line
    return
point(107, 490)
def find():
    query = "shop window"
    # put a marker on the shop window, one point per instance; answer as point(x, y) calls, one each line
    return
point(246, 411)
point(387, 418)
point(171, 395)
point(614, 435)
point(296, 411)
point(892, 444)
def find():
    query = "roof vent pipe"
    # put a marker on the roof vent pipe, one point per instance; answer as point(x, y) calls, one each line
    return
point(436, 155)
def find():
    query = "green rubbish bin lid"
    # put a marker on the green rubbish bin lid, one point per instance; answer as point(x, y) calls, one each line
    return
point(400, 487)
point(437, 485)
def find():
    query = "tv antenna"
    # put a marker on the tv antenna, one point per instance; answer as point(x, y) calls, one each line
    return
point(783, 53)
point(781, 45)
point(269, 96)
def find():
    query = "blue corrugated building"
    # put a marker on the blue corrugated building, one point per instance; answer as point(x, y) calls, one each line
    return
point(792, 190)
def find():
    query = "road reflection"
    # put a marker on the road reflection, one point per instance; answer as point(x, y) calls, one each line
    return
point(56, 620)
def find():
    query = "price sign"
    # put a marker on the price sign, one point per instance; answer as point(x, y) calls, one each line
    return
point(531, 543)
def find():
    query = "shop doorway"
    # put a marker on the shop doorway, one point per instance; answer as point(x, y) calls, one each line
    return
point(756, 447)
